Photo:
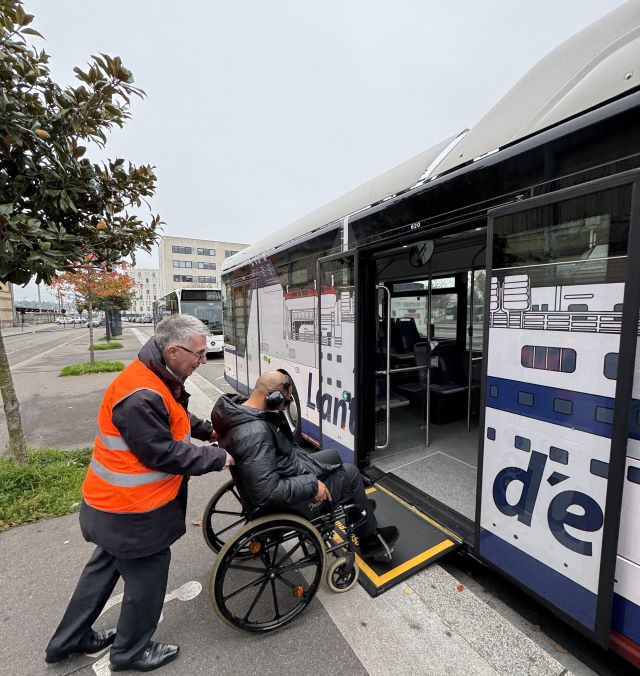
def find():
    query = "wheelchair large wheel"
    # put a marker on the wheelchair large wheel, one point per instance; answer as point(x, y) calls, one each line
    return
point(223, 516)
point(266, 591)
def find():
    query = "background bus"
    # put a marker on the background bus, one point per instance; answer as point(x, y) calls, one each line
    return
point(205, 304)
point(464, 329)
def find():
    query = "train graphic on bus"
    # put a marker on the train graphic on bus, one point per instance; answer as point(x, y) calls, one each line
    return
point(553, 355)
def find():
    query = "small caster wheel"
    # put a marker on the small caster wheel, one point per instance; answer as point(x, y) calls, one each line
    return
point(336, 579)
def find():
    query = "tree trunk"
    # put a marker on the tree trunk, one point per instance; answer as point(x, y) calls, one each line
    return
point(92, 356)
point(17, 446)
point(107, 320)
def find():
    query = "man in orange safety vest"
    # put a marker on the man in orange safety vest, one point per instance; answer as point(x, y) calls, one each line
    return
point(135, 496)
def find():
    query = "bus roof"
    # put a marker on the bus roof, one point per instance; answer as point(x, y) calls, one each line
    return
point(594, 66)
point(390, 183)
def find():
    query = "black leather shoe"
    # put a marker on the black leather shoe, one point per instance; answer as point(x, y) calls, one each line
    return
point(155, 655)
point(93, 643)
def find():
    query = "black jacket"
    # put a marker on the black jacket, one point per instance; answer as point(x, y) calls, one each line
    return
point(273, 471)
point(143, 422)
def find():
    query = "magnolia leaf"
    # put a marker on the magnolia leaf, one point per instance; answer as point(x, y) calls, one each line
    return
point(31, 31)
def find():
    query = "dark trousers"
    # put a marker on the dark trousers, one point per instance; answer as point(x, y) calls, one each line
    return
point(145, 584)
point(346, 487)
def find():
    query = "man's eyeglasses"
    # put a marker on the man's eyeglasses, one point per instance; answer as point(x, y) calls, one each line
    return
point(200, 355)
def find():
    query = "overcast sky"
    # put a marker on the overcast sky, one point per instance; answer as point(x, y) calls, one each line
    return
point(259, 112)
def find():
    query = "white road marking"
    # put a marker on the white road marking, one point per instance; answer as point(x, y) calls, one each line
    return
point(186, 592)
point(42, 354)
point(203, 382)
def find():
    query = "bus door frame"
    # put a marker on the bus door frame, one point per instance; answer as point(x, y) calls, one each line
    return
point(250, 284)
point(320, 262)
point(623, 396)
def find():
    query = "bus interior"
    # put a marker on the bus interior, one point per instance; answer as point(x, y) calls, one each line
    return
point(430, 301)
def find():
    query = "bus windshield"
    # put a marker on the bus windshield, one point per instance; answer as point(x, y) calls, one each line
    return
point(206, 305)
point(208, 312)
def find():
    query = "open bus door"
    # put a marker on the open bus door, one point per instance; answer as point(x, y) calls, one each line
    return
point(562, 284)
point(336, 330)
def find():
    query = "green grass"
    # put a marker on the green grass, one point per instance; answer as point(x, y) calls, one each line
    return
point(49, 485)
point(113, 345)
point(103, 339)
point(98, 367)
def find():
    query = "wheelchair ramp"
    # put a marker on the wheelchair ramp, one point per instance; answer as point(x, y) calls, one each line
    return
point(421, 542)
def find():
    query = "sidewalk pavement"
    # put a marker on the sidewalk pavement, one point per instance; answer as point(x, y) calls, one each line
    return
point(27, 328)
point(61, 412)
point(428, 625)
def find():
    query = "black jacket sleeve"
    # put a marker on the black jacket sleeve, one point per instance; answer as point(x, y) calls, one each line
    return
point(200, 429)
point(143, 421)
point(255, 454)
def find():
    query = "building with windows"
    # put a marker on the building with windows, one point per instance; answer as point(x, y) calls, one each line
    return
point(193, 262)
point(147, 289)
point(6, 305)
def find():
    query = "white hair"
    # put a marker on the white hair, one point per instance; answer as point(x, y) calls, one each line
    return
point(178, 329)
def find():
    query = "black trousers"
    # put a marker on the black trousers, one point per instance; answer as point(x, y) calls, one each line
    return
point(145, 584)
point(346, 487)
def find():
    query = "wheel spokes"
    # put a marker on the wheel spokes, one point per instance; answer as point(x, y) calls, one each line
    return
point(302, 563)
point(235, 524)
point(246, 569)
point(290, 552)
point(275, 599)
point(262, 578)
point(227, 512)
point(291, 586)
point(253, 605)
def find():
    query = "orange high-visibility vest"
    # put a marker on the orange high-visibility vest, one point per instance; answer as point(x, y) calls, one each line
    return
point(116, 480)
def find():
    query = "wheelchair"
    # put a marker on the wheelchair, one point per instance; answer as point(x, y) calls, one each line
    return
point(269, 566)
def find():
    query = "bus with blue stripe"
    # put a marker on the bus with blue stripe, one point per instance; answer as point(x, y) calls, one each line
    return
point(464, 328)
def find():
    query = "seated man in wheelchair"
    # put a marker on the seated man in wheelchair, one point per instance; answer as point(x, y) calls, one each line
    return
point(277, 475)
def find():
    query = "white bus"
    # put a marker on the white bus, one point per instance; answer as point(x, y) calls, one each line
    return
point(464, 329)
point(205, 304)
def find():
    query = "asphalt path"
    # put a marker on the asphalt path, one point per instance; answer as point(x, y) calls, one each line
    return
point(27, 344)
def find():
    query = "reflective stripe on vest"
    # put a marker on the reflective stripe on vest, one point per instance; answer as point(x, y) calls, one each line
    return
point(126, 480)
point(113, 443)
point(119, 444)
